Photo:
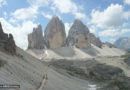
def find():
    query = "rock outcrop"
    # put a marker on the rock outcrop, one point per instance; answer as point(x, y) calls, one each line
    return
point(36, 39)
point(79, 35)
point(96, 41)
point(7, 43)
point(110, 45)
point(55, 35)
point(123, 43)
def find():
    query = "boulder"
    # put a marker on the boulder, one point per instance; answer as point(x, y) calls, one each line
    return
point(55, 35)
point(79, 35)
point(36, 39)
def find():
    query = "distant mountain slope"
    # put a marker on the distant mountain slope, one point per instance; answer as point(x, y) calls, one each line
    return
point(123, 43)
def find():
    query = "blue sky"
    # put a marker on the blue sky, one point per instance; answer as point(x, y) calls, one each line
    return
point(107, 19)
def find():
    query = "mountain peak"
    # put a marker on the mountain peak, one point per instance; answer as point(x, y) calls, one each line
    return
point(38, 28)
point(55, 17)
point(77, 21)
point(78, 35)
point(55, 35)
point(79, 26)
point(36, 39)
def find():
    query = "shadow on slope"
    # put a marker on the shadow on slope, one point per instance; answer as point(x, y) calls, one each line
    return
point(91, 51)
point(64, 51)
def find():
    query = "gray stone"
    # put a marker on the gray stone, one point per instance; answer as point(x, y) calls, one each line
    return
point(36, 39)
point(55, 35)
point(78, 35)
point(95, 40)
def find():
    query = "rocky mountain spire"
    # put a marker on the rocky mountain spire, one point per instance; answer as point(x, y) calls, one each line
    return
point(55, 35)
point(36, 39)
point(7, 43)
point(78, 35)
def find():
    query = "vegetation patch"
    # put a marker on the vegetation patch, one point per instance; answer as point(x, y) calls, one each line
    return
point(121, 83)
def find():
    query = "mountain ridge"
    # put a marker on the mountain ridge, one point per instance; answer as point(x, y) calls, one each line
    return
point(123, 43)
point(55, 36)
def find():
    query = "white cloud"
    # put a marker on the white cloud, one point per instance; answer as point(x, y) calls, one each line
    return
point(65, 6)
point(67, 28)
point(47, 15)
point(127, 15)
point(125, 24)
point(127, 2)
point(31, 12)
point(113, 32)
point(20, 32)
point(25, 13)
point(2, 2)
point(110, 17)
point(112, 40)
point(80, 15)
point(38, 3)
point(93, 28)
point(5, 14)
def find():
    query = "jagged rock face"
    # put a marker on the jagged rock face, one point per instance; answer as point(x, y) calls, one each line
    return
point(3, 36)
point(96, 41)
point(36, 39)
point(78, 35)
point(123, 43)
point(55, 35)
point(10, 45)
point(7, 43)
